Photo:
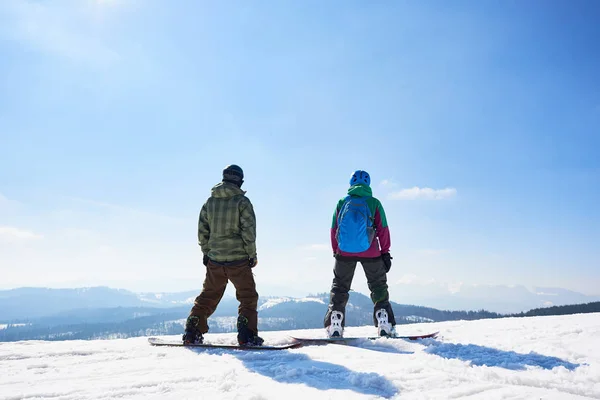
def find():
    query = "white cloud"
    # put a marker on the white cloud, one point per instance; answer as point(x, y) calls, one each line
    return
point(9, 232)
point(417, 193)
point(6, 203)
point(454, 287)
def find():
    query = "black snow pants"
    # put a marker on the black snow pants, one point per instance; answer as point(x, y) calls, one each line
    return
point(343, 272)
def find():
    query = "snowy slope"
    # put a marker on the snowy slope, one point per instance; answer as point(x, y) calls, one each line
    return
point(520, 358)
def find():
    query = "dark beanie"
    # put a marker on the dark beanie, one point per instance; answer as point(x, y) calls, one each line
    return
point(233, 174)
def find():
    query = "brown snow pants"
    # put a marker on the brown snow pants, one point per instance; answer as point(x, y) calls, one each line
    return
point(215, 282)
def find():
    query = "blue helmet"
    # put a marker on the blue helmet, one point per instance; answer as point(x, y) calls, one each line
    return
point(360, 177)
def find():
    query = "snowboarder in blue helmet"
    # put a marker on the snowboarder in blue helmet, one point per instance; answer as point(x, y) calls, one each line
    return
point(360, 233)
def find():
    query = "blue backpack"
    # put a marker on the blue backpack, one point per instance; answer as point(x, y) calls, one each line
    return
point(355, 230)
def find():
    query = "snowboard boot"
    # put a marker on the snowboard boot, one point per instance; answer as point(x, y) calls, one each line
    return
point(245, 336)
point(384, 328)
point(336, 329)
point(192, 335)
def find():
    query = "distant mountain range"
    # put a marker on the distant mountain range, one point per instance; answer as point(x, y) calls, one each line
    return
point(101, 312)
point(498, 298)
point(28, 303)
point(40, 302)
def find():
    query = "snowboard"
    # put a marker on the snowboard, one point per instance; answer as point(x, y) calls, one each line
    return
point(159, 342)
point(349, 339)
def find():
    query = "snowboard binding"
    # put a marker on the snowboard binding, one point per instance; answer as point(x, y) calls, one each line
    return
point(336, 329)
point(384, 327)
point(192, 335)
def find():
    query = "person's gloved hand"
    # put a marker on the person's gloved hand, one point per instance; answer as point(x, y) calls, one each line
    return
point(252, 262)
point(387, 261)
point(205, 260)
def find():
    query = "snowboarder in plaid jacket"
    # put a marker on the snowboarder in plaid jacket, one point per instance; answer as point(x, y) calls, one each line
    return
point(359, 233)
point(227, 237)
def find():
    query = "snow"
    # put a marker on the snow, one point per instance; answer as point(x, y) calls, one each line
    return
point(514, 358)
point(416, 318)
point(278, 300)
point(4, 326)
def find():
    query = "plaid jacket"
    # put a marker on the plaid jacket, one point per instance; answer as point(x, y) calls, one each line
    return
point(227, 225)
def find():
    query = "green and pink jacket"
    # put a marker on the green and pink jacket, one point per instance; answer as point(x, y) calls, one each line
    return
point(381, 243)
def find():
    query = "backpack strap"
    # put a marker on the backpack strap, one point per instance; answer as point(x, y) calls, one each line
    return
point(337, 218)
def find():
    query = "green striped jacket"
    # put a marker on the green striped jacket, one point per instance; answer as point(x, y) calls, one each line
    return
point(227, 225)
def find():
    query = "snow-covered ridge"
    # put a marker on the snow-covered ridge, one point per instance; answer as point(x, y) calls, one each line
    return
point(271, 302)
point(168, 299)
point(4, 326)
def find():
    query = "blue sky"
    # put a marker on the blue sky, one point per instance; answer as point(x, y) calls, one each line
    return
point(479, 123)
